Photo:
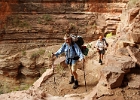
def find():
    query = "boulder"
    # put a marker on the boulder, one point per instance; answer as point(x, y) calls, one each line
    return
point(11, 63)
point(43, 78)
point(124, 62)
point(134, 81)
point(117, 67)
point(134, 53)
point(30, 72)
point(113, 76)
point(27, 62)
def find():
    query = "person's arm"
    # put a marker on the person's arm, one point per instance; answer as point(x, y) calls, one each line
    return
point(61, 50)
point(97, 45)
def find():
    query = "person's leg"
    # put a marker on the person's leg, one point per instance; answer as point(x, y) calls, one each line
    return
point(101, 58)
point(102, 55)
point(74, 69)
point(99, 52)
point(75, 75)
point(72, 75)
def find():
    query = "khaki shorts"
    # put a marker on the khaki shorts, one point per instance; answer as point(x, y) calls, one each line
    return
point(73, 67)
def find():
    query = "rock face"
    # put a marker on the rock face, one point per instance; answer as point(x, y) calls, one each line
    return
point(123, 56)
point(116, 68)
point(29, 24)
point(39, 23)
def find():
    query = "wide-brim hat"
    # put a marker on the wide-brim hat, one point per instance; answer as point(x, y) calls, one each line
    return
point(67, 36)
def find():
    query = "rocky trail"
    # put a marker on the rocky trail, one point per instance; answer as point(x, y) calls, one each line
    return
point(54, 85)
point(58, 84)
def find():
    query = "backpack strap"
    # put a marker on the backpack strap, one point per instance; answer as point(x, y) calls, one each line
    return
point(105, 41)
point(73, 49)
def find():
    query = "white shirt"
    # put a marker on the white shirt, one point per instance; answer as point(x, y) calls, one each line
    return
point(100, 44)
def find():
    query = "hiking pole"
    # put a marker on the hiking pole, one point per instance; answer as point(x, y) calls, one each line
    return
point(84, 77)
point(53, 68)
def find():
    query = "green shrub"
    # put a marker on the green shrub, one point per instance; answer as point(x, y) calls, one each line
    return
point(89, 45)
point(60, 69)
point(41, 52)
point(49, 54)
point(5, 88)
point(132, 3)
point(25, 86)
point(47, 17)
point(109, 35)
point(37, 54)
point(23, 24)
point(34, 55)
point(17, 22)
point(42, 70)
point(39, 21)
point(23, 53)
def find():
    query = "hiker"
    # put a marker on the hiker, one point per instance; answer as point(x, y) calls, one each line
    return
point(101, 47)
point(73, 54)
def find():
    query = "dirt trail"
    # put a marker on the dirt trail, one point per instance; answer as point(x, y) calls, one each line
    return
point(58, 84)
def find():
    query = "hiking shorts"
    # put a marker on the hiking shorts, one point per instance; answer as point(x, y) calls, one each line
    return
point(101, 51)
point(73, 67)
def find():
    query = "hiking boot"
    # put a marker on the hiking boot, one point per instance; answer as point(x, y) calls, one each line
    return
point(72, 80)
point(75, 84)
point(100, 61)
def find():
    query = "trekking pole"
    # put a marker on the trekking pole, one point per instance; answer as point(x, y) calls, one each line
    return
point(53, 68)
point(84, 77)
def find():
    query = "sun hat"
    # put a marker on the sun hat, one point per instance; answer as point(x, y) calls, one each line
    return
point(67, 36)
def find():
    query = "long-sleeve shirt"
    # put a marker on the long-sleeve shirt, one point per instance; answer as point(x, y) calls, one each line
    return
point(70, 52)
point(100, 44)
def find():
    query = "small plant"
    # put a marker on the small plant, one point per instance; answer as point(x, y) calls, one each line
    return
point(47, 17)
point(37, 54)
point(41, 52)
point(94, 26)
point(72, 26)
point(1, 91)
point(60, 69)
point(5, 87)
point(49, 54)
point(39, 21)
point(34, 55)
point(109, 35)
point(24, 87)
point(89, 45)
point(42, 70)
point(132, 3)
point(15, 20)
point(23, 53)
point(16, 88)
point(24, 24)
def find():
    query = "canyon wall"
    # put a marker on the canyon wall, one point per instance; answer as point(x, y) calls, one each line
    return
point(29, 24)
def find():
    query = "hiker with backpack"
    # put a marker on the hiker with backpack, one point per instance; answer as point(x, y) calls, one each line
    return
point(73, 53)
point(101, 46)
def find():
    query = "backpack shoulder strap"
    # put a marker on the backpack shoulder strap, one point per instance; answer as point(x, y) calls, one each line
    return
point(73, 48)
point(105, 40)
point(64, 44)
